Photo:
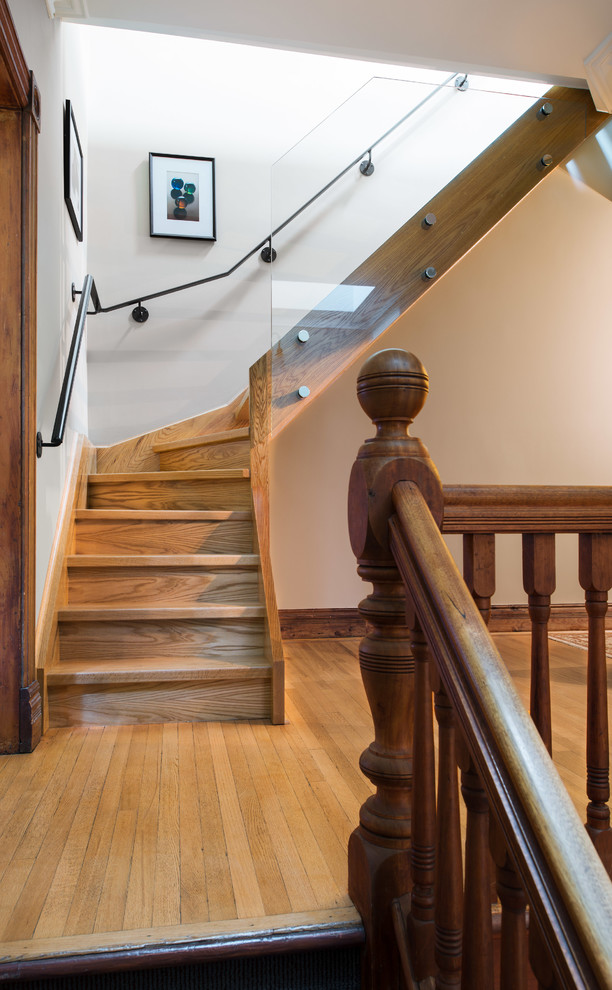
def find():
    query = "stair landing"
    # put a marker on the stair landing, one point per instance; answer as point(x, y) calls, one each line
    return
point(151, 844)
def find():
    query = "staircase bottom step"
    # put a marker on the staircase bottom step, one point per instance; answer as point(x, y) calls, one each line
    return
point(137, 693)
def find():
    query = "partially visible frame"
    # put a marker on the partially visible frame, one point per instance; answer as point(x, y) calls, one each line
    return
point(73, 171)
point(182, 197)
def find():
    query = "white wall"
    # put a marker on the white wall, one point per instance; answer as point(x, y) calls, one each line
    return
point(516, 340)
point(245, 107)
point(56, 53)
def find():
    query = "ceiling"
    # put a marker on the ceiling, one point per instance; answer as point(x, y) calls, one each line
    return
point(548, 40)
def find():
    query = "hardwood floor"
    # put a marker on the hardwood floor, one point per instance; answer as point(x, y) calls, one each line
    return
point(117, 837)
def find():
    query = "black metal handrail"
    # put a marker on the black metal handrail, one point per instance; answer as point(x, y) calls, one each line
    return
point(141, 314)
point(57, 437)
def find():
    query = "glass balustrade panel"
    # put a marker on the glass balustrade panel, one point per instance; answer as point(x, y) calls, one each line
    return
point(431, 132)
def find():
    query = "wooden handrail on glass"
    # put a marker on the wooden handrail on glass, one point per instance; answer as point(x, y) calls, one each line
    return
point(427, 634)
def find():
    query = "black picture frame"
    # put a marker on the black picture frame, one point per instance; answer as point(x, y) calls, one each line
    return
point(73, 171)
point(182, 196)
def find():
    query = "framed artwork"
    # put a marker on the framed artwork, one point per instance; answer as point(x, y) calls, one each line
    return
point(73, 171)
point(182, 196)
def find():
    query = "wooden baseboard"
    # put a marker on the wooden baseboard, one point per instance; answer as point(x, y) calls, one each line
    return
point(515, 618)
point(320, 623)
point(327, 623)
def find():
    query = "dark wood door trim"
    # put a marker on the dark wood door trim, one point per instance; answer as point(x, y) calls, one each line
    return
point(20, 718)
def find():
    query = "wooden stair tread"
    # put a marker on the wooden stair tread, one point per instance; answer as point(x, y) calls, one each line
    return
point(186, 515)
point(215, 474)
point(226, 436)
point(204, 560)
point(130, 670)
point(77, 613)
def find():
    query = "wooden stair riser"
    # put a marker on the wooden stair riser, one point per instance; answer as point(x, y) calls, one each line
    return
point(225, 455)
point(156, 702)
point(96, 640)
point(167, 536)
point(197, 493)
point(142, 586)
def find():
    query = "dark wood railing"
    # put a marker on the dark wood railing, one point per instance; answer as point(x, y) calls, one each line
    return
point(538, 513)
point(426, 635)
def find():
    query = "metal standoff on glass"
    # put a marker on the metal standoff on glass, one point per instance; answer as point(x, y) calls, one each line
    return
point(429, 219)
point(429, 273)
point(546, 161)
point(462, 83)
point(303, 391)
point(303, 336)
point(545, 110)
point(140, 313)
point(366, 168)
point(268, 254)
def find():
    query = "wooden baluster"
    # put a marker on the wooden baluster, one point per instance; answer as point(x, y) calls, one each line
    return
point(595, 567)
point(449, 873)
point(539, 583)
point(477, 967)
point(513, 953)
point(479, 569)
point(420, 923)
point(479, 575)
point(392, 387)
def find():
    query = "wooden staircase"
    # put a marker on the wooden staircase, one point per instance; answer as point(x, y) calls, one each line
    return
point(164, 617)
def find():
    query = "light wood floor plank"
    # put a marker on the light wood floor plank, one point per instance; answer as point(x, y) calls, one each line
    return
point(166, 898)
point(84, 907)
point(194, 901)
point(261, 842)
point(111, 906)
point(244, 877)
point(331, 840)
point(299, 889)
point(59, 899)
point(24, 796)
point(49, 851)
point(219, 887)
point(141, 885)
point(299, 823)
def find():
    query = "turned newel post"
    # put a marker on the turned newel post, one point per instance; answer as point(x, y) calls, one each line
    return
point(392, 387)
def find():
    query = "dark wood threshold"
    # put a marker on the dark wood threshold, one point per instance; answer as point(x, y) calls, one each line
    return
point(158, 947)
point(327, 623)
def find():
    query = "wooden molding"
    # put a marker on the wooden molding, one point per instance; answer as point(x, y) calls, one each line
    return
point(527, 509)
point(14, 73)
point(18, 228)
point(138, 454)
point(598, 69)
point(175, 945)
point(321, 623)
point(54, 597)
point(344, 623)
point(259, 404)
point(30, 717)
point(471, 205)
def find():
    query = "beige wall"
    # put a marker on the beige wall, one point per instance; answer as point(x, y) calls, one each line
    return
point(517, 343)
